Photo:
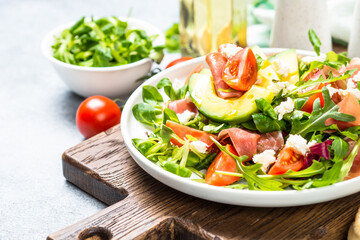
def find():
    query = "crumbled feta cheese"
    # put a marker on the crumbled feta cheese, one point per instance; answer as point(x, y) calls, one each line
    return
point(185, 116)
point(309, 59)
point(266, 158)
point(284, 107)
point(281, 67)
point(229, 50)
point(351, 84)
point(275, 87)
point(298, 144)
point(200, 146)
point(356, 78)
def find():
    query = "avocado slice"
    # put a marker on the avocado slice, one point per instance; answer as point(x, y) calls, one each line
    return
point(203, 94)
point(286, 61)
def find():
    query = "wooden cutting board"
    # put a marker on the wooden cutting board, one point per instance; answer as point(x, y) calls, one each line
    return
point(144, 208)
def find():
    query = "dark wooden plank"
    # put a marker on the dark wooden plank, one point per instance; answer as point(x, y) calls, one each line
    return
point(151, 210)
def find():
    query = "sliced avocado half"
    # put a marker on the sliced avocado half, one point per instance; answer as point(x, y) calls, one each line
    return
point(203, 94)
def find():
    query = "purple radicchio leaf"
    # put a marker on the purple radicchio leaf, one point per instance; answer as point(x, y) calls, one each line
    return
point(316, 152)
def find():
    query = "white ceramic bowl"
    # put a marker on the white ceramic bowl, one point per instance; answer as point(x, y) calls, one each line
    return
point(107, 81)
point(131, 128)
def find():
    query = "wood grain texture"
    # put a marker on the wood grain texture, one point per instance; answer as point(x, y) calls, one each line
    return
point(150, 210)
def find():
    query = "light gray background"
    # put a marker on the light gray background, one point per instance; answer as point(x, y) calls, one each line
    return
point(37, 113)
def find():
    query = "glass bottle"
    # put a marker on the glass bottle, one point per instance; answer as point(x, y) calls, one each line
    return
point(206, 24)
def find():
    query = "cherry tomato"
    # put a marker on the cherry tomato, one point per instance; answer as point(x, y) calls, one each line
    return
point(179, 60)
point(286, 160)
point(222, 162)
point(96, 114)
point(240, 71)
point(308, 106)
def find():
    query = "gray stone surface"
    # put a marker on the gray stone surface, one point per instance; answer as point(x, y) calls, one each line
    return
point(37, 119)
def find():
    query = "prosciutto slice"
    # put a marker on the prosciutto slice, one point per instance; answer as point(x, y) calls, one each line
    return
point(354, 63)
point(244, 142)
point(349, 105)
point(270, 141)
point(355, 168)
point(217, 62)
point(180, 106)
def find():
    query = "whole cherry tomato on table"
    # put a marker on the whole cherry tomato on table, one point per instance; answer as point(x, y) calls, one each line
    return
point(179, 60)
point(96, 114)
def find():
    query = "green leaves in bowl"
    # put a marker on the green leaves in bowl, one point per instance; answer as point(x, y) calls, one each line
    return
point(104, 42)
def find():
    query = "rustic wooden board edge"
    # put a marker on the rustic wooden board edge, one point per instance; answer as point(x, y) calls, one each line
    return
point(86, 181)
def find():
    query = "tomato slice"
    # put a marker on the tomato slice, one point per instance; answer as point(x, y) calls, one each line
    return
point(240, 71)
point(197, 69)
point(308, 106)
point(222, 162)
point(179, 60)
point(286, 160)
point(182, 131)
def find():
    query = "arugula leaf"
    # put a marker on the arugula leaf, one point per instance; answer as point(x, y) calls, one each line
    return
point(265, 124)
point(151, 95)
point(265, 107)
point(348, 162)
point(330, 176)
point(340, 148)
point(315, 168)
point(299, 103)
point(316, 121)
point(315, 41)
point(321, 79)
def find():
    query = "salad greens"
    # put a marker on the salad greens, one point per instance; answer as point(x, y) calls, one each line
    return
point(172, 38)
point(329, 149)
point(104, 42)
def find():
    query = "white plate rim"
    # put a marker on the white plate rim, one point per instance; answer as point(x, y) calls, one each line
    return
point(238, 197)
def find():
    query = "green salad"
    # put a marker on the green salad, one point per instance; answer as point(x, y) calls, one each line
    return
point(257, 122)
point(104, 42)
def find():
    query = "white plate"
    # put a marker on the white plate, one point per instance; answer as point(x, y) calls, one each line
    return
point(131, 128)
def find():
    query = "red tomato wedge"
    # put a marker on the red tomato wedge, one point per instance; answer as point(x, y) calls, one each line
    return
point(286, 160)
point(240, 71)
point(222, 162)
point(182, 131)
point(197, 69)
point(179, 60)
point(308, 106)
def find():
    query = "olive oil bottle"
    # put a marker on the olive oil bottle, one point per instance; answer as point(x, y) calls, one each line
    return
point(206, 24)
